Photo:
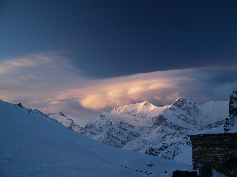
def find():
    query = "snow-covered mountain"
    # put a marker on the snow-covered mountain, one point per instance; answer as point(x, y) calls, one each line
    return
point(64, 120)
point(159, 131)
point(34, 145)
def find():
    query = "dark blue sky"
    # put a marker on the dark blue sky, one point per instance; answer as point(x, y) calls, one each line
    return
point(114, 38)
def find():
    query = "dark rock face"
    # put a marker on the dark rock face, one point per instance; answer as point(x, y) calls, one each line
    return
point(61, 114)
point(159, 120)
point(20, 105)
point(229, 122)
point(180, 102)
point(233, 105)
point(152, 151)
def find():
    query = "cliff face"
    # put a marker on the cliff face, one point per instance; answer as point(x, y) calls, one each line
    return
point(231, 122)
point(233, 105)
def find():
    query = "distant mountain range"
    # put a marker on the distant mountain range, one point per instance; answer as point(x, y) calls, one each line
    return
point(158, 131)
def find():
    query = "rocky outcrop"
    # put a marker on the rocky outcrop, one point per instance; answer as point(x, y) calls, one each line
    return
point(229, 121)
point(233, 107)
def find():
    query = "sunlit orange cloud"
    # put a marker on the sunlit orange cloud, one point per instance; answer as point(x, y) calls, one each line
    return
point(124, 90)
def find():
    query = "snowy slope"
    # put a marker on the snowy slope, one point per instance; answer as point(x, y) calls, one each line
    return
point(159, 131)
point(64, 120)
point(34, 145)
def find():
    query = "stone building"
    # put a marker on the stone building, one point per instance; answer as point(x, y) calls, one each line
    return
point(218, 151)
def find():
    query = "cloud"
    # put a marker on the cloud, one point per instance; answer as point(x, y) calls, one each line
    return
point(10, 66)
point(164, 86)
point(96, 101)
point(36, 77)
point(116, 92)
point(223, 91)
point(49, 82)
point(135, 90)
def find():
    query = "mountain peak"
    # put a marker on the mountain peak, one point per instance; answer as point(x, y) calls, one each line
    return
point(181, 102)
point(20, 105)
point(133, 107)
point(145, 106)
point(145, 103)
point(61, 114)
point(180, 99)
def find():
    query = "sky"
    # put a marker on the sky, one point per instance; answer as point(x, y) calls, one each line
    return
point(83, 57)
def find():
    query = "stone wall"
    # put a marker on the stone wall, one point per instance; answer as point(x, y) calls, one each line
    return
point(216, 150)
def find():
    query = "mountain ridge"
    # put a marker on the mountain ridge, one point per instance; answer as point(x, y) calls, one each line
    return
point(160, 131)
point(65, 121)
